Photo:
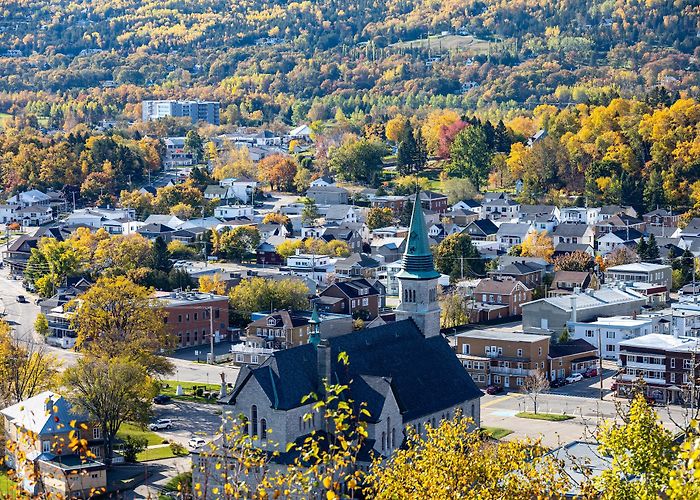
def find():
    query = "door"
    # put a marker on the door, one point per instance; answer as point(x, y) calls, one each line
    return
point(544, 323)
point(506, 381)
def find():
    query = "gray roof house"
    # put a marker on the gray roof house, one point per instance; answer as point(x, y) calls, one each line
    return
point(512, 233)
point(328, 195)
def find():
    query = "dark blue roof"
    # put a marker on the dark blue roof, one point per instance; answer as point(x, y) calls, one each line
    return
point(423, 373)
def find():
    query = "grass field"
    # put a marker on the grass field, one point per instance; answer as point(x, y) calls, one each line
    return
point(136, 431)
point(155, 454)
point(445, 43)
point(551, 417)
point(3, 118)
point(188, 388)
point(7, 486)
point(496, 432)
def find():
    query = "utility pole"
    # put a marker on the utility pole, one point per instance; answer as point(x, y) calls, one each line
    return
point(211, 334)
point(600, 363)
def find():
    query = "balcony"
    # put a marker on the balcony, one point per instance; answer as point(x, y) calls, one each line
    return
point(646, 366)
point(501, 370)
point(632, 378)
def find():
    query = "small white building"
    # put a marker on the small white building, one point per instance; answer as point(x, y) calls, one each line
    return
point(315, 267)
point(609, 332)
point(233, 211)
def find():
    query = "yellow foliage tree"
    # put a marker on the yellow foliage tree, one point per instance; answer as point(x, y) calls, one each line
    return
point(433, 125)
point(538, 244)
point(212, 284)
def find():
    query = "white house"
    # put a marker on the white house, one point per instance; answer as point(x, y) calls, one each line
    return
point(34, 215)
point(614, 239)
point(579, 214)
point(31, 197)
point(609, 332)
point(316, 267)
point(302, 132)
point(233, 211)
point(241, 188)
point(512, 233)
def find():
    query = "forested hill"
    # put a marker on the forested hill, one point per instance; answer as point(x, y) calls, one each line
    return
point(49, 26)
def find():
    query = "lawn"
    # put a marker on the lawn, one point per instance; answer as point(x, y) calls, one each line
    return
point(443, 43)
point(7, 486)
point(496, 432)
point(136, 431)
point(184, 480)
point(155, 454)
point(189, 390)
point(4, 117)
point(551, 417)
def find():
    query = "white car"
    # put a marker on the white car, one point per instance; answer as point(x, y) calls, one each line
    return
point(160, 424)
point(576, 377)
point(196, 442)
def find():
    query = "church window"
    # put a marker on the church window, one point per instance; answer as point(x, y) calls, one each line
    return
point(383, 441)
point(263, 428)
point(254, 419)
point(393, 438)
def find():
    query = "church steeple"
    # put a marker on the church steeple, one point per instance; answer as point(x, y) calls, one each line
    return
point(314, 322)
point(417, 258)
point(418, 278)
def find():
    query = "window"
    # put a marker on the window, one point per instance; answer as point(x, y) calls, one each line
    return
point(610, 335)
point(179, 318)
point(520, 353)
point(393, 437)
point(465, 348)
point(673, 362)
point(673, 378)
point(610, 348)
point(687, 364)
point(254, 419)
point(95, 433)
point(519, 381)
point(216, 313)
point(46, 446)
point(195, 316)
point(365, 301)
point(589, 333)
point(383, 441)
point(239, 358)
point(254, 359)
point(263, 428)
point(497, 379)
point(539, 351)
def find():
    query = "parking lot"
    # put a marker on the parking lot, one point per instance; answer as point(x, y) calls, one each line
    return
point(189, 420)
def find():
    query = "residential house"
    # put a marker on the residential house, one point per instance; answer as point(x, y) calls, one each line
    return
point(28, 198)
point(575, 233)
point(501, 209)
point(615, 239)
point(324, 180)
point(41, 455)
point(608, 332)
point(528, 272)
point(240, 188)
point(502, 358)
point(268, 230)
point(176, 154)
point(482, 230)
point(270, 332)
point(536, 137)
point(666, 363)
point(344, 234)
point(662, 217)
point(570, 357)
point(580, 215)
point(569, 248)
point(34, 215)
point(469, 206)
point(608, 211)
point(300, 133)
point(641, 272)
point(357, 265)
point(566, 282)
point(619, 222)
point(266, 252)
point(442, 230)
point(553, 313)
point(228, 212)
point(512, 233)
point(436, 202)
point(195, 318)
point(389, 232)
point(328, 195)
point(461, 217)
point(388, 249)
point(316, 267)
point(357, 298)
point(153, 231)
point(339, 215)
point(18, 252)
point(528, 213)
point(395, 203)
point(506, 292)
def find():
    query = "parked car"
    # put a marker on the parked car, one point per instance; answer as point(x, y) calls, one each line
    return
point(591, 372)
point(21, 299)
point(557, 382)
point(494, 389)
point(162, 399)
point(195, 443)
point(613, 387)
point(160, 424)
point(574, 377)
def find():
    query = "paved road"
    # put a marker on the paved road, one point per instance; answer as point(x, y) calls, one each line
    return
point(189, 420)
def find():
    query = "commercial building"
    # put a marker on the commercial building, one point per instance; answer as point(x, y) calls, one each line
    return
point(609, 332)
point(191, 317)
point(641, 272)
point(196, 111)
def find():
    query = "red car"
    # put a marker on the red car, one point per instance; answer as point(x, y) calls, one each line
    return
point(591, 372)
point(494, 389)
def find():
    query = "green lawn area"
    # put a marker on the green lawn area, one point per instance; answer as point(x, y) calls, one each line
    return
point(155, 454)
point(184, 480)
point(551, 417)
point(189, 390)
point(7, 486)
point(3, 118)
point(136, 431)
point(496, 432)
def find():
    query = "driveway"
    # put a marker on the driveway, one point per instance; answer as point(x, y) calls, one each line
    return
point(189, 420)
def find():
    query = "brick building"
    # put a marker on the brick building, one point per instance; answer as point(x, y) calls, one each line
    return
point(191, 317)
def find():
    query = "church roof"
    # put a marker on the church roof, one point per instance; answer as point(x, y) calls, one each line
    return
point(418, 259)
point(423, 373)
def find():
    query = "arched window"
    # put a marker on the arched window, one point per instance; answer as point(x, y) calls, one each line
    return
point(300, 420)
point(263, 428)
point(254, 420)
point(393, 438)
point(383, 441)
point(388, 433)
point(472, 410)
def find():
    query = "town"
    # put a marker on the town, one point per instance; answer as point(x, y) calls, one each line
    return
point(532, 320)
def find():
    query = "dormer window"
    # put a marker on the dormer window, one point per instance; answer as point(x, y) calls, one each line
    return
point(271, 322)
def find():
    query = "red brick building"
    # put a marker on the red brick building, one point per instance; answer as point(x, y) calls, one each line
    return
point(191, 316)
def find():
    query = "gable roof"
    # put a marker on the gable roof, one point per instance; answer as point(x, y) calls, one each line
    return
point(501, 287)
point(571, 229)
point(569, 348)
point(47, 413)
point(485, 226)
point(353, 288)
point(513, 229)
point(424, 374)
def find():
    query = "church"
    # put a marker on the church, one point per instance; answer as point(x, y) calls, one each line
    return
point(405, 371)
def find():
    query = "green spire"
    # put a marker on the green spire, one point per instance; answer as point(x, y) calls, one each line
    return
point(314, 335)
point(418, 259)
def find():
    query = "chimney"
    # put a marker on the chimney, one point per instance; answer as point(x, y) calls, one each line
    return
point(323, 358)
point(573, 308)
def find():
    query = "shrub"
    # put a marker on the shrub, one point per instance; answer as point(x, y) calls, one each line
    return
point(132, 446)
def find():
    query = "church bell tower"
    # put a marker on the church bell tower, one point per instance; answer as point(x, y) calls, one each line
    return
point(418, 278)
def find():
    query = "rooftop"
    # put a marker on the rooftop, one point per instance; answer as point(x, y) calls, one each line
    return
point(639, 267)
point(503, 335)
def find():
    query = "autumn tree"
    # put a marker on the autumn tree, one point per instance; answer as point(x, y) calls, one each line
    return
point(260, 294)
point(50, 263)
point(395, 128)
point(457, 256)
point(538, 244)
point(470, 156)
point(453, 311)
point(212, 284)
point(26, 368)
point(184, 193)
point(141, 202)
point(117, 317)
point(194, 145)
point(278, 218)
point(453, 461)
point(112, 391)
point(235, 162)
point(236, 243)
point(458, 190)
point(379, 217)
point(574, 261)
point(279, 170)
point(358, 160)
point(621, 255)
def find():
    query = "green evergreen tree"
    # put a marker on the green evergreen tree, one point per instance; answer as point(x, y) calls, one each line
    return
point(160, 256)
point(653, 254)
point(194, 145)
point(654, 196)
point(471, 157)
point(642, 249)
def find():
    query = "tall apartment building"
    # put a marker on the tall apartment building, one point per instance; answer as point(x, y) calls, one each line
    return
point(207, 111)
